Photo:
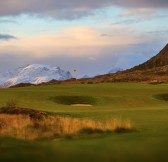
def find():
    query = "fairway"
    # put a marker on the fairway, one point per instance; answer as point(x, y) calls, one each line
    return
point(134, 101)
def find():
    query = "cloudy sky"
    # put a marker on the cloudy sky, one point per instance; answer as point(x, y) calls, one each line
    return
point(93, 36)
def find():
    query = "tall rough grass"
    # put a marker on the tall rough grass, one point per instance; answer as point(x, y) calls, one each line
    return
point(24, 127)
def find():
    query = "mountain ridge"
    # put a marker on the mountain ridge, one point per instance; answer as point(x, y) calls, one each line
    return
point(151, 71)
point(33, 73)
point(159, 60)
point(155, 70)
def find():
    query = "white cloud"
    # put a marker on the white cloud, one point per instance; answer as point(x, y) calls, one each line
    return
point(81, 41)
point(144, 12)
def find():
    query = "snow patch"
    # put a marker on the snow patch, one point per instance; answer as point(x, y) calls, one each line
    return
point(33, 73)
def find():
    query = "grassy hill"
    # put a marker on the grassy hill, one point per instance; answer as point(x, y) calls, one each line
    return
point(144, 104)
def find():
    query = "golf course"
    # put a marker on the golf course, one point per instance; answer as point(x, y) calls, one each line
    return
point(144, 105)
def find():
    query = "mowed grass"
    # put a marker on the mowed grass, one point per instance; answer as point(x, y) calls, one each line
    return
point(133, 101)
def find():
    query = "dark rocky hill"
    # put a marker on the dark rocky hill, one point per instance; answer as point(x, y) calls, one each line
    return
point(161, 59)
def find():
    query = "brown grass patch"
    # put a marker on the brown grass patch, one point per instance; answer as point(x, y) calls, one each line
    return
point(25, 127)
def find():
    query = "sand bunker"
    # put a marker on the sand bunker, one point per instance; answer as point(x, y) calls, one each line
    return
point(85, 105)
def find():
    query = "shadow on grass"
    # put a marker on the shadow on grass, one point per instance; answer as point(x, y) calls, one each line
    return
point(69, 100)
point(163, 96)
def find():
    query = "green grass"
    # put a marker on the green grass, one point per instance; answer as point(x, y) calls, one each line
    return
point(133, 101)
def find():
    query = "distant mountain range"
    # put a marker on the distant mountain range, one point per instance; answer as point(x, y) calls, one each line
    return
point(34, 73)
point(86, 76)
point(115, 70)
point(155, 70)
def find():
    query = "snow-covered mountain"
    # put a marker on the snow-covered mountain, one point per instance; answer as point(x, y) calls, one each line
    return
point(114, 70)
point(34, 73)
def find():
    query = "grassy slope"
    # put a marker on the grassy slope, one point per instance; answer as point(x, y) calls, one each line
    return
point(133, 101)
